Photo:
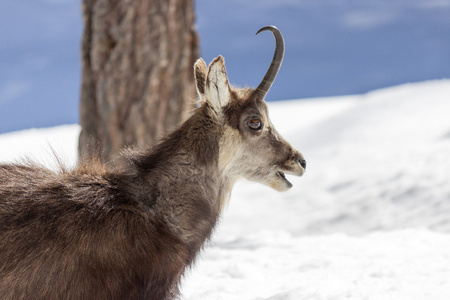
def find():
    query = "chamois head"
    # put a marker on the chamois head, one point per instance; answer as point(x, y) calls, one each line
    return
point(249, 147)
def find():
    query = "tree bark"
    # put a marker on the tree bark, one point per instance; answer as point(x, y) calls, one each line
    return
point(137, 72)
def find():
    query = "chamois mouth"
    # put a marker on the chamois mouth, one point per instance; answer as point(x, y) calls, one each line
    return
point(282, 176)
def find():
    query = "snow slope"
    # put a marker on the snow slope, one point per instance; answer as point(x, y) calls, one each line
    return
point(368, 220)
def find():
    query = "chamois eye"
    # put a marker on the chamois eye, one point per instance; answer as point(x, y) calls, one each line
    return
point(255, 124)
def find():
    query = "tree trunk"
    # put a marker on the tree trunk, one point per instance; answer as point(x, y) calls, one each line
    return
point(137, 72)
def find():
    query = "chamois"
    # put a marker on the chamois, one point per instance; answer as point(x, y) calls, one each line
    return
point(104, 232)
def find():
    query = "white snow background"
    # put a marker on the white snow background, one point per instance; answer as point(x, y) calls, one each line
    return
point(370, 219)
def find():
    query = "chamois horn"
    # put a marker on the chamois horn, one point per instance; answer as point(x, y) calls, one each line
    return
point(272, 72)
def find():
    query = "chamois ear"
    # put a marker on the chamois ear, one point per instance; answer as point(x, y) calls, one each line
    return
point(200, 73)
point(217, 87)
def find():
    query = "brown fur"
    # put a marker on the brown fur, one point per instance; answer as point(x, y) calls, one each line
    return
point(103, 232)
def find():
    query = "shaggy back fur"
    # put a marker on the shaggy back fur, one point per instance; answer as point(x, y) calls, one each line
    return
point(100, 232)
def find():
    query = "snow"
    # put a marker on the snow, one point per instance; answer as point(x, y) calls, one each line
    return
point(408, 264)
point(368, 220)
point(41, 145)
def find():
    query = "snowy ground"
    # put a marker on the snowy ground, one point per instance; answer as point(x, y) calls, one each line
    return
point(370, 219)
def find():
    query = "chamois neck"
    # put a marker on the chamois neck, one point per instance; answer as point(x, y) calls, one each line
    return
point(195, 144)
point(184, 168)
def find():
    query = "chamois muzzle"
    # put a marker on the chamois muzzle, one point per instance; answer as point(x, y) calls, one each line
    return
point(264, 87)
point(302, 162)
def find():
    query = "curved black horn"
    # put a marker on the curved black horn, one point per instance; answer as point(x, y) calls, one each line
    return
point(269, 78)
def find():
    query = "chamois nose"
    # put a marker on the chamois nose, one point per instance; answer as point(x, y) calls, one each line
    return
point(299, 158)
point(302, 162)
